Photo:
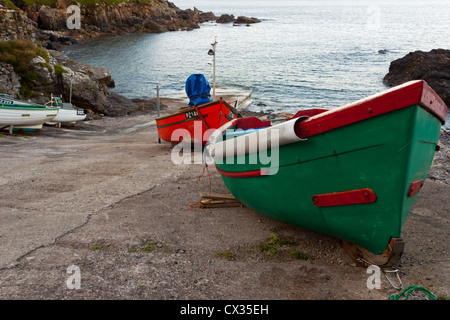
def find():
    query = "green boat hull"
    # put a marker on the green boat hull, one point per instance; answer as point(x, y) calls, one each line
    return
point(386, 154)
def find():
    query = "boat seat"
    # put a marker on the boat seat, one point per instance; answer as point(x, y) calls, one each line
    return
point(240, 132)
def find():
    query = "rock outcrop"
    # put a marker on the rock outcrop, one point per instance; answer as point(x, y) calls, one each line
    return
point(246, 20)
point(227, 18)
point(14, 24)
point(89, 87)
point(432, 66)
point(9, 80)
point(125, 17)
point(41, 73)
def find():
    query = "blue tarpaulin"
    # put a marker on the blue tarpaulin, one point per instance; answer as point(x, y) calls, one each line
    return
point(197, 89)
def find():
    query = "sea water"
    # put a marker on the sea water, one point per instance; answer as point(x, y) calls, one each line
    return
point(304, 54)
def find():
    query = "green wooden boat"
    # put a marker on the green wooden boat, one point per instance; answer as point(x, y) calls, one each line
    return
point(352, 172)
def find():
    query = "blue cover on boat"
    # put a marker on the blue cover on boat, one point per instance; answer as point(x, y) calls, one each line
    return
point(197, 89)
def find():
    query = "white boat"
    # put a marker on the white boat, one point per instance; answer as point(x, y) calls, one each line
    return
point(24, 116)
point(67, 113)
point(10, 99)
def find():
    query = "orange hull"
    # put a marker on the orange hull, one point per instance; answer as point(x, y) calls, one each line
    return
point(195, 124)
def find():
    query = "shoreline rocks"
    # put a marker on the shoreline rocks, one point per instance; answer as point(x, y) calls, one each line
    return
point(14, 24)
point(126, 17)
point(9, 80)
point(246, 20)
point(432, 66)
point(48, 72)
point(227, 18)
point(89, 87)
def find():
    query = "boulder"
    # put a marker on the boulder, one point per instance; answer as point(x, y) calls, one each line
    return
point(9, 80)
point(246, 20)
point(89, 88)
point(45, 76)
point(226, 18)
point(97, 74)
point(432, 67)
point(51, 18)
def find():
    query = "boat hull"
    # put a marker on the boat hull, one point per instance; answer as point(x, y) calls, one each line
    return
point(69, 115)
point(356, 182)
point(195, 124)
point(22, 116)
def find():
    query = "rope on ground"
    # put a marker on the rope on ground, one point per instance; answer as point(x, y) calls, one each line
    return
point(191, 207)
point(409, 290)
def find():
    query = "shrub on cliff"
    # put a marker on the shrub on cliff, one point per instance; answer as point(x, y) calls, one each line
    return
point(19, 54)
point(22, 3)
point(8, 3)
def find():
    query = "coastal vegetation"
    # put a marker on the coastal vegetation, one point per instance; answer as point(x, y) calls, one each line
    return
point(8, 3)
point(227, 254)
point(59, 70)
point(19, 53)
point(277, 247)
point(280, 245)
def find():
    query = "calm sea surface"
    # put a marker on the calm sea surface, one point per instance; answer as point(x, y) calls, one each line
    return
point(303, 53)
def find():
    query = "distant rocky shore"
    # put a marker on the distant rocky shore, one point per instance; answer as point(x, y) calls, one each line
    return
point(124, 17)
point(99, 17)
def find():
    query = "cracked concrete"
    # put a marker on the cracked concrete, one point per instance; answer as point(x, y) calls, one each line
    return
point(105, 196)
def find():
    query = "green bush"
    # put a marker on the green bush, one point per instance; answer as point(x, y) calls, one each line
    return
point(9, 4)
point(19, 54)
point(59, 70)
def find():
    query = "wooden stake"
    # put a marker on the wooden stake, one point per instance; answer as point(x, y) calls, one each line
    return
point(215, 196)
point(218, 201)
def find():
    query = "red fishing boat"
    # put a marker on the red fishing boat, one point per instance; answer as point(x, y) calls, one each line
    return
point(196, 122)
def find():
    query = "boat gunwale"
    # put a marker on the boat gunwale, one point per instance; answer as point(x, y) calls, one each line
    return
point(29, 107)
point(402, 96)
point(162, 126)
point(192, 108)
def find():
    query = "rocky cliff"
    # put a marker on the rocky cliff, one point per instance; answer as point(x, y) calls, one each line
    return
point(9, 80)
point(432, 66)
point(86, 86)
point(111, 16)
point(14, 24)
point(34, 73)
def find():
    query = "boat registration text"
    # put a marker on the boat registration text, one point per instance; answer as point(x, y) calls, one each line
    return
point(191, 114)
